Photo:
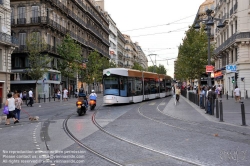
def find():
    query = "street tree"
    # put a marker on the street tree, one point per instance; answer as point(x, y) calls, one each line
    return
point(37, 58)
point(137, 66)
point(158, 69)
point(192, 58)
point(70, 57)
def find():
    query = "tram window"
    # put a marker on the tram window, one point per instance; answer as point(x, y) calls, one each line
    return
point(111, 85)
point(152, 86)
point(138, 88)
point(146, 86)
point(162, 86)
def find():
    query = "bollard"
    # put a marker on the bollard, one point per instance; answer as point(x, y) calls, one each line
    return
point(44, 98)
point(243, 114)
point(221, 111)
point(54, 97)
point(49, 97)
point(232, 94)
point(38, 98)
point(217, 108)
point(246, 95)
point(227, 95)
point(212, 106)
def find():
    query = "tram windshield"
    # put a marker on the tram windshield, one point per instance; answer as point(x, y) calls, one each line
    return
point(110, 85)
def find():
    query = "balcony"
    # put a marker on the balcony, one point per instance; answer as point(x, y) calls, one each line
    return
point(231, 40)
point(21, 21)
point(8, 39)
point(35, 20)
point(1, 2)
point(225, 18)
point(21, 49)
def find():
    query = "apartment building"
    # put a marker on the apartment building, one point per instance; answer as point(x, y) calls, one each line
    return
point(7, 45)
point(121, 49)
point(113, 40)
point(232, 62)
point(142, 58)
point(83, 20)
point(130, 52)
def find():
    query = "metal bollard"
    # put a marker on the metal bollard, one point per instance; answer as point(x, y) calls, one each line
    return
point(243, 114)
point(38, 98)
point(212, 106)
point(221, 111)
point(246, 95)
point(227, 95)
point(49, 97)
point(54, 97)
point(44, 98)
point(217, 108)
point(232, 94)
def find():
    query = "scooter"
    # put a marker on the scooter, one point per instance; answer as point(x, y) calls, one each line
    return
point(92, 104)
point(81, 108)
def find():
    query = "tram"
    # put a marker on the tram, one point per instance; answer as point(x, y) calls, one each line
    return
point(122, 85)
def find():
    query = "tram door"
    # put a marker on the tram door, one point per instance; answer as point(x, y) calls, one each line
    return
point(131, 88)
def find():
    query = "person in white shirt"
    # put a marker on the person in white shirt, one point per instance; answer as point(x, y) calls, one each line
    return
point(10, 103)
point(65, 94)
point(237, 94)
point(31, 98)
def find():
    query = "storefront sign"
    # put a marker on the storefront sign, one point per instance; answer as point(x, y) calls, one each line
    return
point(231, 68)
point(209, 68)
point(218, 74)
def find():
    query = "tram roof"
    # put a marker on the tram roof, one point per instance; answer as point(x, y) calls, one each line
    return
point(133, 73)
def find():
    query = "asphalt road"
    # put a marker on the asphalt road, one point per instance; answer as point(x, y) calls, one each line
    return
point(154, 132)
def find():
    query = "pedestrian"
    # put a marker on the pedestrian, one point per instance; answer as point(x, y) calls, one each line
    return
point(177, 93)
point(18, 103)
point(211, 100)
point(237, 94)
point(202, 96)
point(58, 94)
point(65, 94)
point(30, 98)
point(10, 103)
point(24, 95)
point(219, 91)
point(76, 94)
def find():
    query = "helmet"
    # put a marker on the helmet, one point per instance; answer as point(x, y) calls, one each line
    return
point(93, 91)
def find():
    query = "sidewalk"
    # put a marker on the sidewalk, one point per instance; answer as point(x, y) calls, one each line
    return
point(231, 111)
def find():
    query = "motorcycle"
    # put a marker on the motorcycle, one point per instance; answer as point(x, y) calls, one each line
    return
point(81, 108)
point(92, 102)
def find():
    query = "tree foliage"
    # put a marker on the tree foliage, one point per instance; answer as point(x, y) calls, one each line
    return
point(192, 56)
point(137, 66)
point(158, 69)
point(94, 68)
point(71, 58)
point(38, 60)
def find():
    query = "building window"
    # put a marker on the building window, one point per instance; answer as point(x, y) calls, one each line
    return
point(35, 13)
point(1, 60)
point(27, 62)
point(236, 54)
point(232, 56)
point(21, 15)
point(17, 62)
point(22, 39)
point(232, 29)
point(236, 26)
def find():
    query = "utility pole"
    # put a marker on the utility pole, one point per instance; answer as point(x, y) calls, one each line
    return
point(152, 61)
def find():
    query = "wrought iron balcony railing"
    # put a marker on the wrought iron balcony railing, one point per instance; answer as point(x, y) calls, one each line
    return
point(8, 39)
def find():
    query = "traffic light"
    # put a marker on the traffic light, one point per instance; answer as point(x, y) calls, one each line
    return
point(236, 76)
point(232, 79)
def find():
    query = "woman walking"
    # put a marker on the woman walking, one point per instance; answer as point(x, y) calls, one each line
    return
point(10, 103)
point(18, 103)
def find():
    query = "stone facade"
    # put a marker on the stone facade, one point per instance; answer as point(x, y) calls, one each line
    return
point(83, 20)
point(232, 45)
point(7, 45)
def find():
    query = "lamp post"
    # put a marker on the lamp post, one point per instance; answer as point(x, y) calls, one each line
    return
point(209, 22)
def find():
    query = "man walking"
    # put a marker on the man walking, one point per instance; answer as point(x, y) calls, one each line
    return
point(30, 98)
point(237, 94)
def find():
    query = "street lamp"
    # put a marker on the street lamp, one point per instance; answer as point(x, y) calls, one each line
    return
point(209, 22)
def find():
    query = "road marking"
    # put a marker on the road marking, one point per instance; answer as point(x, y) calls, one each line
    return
point(152, 103)
point(163, 103)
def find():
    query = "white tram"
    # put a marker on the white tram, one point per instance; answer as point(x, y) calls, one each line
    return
point(122, 85)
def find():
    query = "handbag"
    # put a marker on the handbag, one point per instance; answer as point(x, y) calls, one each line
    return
point(5, 110)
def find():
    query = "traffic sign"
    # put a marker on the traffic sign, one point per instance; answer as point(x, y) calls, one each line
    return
point(231, 68)
point(209, 69)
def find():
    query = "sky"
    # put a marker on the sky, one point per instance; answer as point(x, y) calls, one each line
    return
point(158, 26)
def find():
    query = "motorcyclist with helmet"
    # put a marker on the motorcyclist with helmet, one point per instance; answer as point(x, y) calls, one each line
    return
point(93, 95)
point(82, 95)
